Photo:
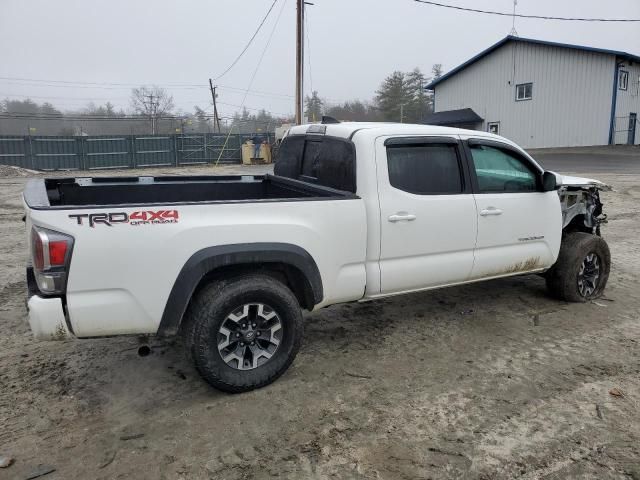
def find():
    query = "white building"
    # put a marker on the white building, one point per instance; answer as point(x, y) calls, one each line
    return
point(543, 94)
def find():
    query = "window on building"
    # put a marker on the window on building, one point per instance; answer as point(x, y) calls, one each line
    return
point(524, 91)
point(502, 171)
point(493, 127)
point(432, 169)
point(623, 80)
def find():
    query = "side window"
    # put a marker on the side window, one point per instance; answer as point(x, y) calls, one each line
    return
point(500, 170)
point(287, 162)
point(428, 169)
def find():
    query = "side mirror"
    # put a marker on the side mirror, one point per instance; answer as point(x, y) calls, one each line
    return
point(549, 182)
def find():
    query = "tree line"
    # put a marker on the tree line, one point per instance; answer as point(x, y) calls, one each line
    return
point(151, 110)
point(401, 97)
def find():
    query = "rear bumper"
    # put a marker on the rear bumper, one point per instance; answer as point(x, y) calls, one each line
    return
point(46, 319)
point(46, 315)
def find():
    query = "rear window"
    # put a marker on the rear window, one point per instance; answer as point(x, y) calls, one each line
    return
point(326, 161)
point(432, 169)
point(311, 158)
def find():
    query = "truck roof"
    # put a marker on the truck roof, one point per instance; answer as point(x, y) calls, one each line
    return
point(348, 129)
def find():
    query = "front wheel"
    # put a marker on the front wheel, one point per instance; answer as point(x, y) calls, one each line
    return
point(582, 269)
point(243, 333)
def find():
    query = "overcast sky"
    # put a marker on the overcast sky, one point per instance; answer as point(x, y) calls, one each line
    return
point(354, 44)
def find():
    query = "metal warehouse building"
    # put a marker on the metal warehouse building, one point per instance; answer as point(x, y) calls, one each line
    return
point(543, 94)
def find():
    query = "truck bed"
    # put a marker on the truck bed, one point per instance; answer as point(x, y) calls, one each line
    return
point(65, 193)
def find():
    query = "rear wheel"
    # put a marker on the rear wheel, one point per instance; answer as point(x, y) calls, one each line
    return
point(582, 269)
point(243, 333)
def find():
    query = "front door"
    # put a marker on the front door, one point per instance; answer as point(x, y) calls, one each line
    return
point(633, 120)
point(427, 213)
point(519, 226)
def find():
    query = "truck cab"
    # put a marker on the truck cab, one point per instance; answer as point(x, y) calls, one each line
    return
point(461, 205)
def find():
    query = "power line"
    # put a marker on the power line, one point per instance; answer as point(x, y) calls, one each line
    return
point(536, 17)
point(255, 72)
point(122, 86)
point(79, 116)
point(83, 82)
point(253, 108)
point(92, 99)
point(258, 92)
point(76, 113)
point(97, 118)
point(249, 43)
point(5, 94)
point(111, 86)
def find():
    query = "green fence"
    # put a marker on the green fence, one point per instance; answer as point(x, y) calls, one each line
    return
point(121, 151)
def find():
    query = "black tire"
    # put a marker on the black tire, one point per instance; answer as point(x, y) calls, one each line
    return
point(565, 280)
point(211, 313)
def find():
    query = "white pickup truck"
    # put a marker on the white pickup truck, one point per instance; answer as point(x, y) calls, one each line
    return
point(353, 212)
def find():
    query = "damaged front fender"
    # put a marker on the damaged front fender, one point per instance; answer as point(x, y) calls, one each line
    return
point(568, 181)
point(580, 203)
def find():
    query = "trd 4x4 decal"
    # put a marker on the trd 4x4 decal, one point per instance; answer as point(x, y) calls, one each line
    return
point(142, 217)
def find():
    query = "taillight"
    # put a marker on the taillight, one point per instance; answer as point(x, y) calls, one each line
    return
point(37, 250)
point(50, 254)
point(57, 252)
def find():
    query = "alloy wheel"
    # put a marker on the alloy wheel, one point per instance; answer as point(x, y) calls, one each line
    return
point(249, 336)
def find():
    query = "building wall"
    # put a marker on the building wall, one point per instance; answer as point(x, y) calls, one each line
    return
point(571, 103)
point(628, 101)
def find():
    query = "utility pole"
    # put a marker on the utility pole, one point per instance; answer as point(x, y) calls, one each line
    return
point(299, 60)
point(155, 116)
point(402, 113)
point(216, 119)
point(153, 109)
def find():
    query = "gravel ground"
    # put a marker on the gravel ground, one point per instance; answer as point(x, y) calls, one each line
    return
point(486, 381)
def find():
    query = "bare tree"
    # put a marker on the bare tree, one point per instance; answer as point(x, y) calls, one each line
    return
point(152, 102)
point(436, 70)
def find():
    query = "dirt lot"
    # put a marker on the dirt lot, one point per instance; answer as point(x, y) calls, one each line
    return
point(492, 380)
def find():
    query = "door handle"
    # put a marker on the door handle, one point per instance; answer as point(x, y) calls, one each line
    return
point(490, 211)
point(402, 217)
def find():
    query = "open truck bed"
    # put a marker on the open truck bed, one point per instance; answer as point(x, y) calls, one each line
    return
point(65, 193)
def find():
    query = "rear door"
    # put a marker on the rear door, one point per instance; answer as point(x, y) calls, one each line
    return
point(428, 221)
point(519, 225)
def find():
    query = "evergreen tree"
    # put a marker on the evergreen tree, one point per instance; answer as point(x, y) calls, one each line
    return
point(402, 97)
point(314, 107)
point(392, 96)
point(417, 107)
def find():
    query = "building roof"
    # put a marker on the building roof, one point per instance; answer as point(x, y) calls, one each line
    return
point(509, 38)
point(453, 117)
